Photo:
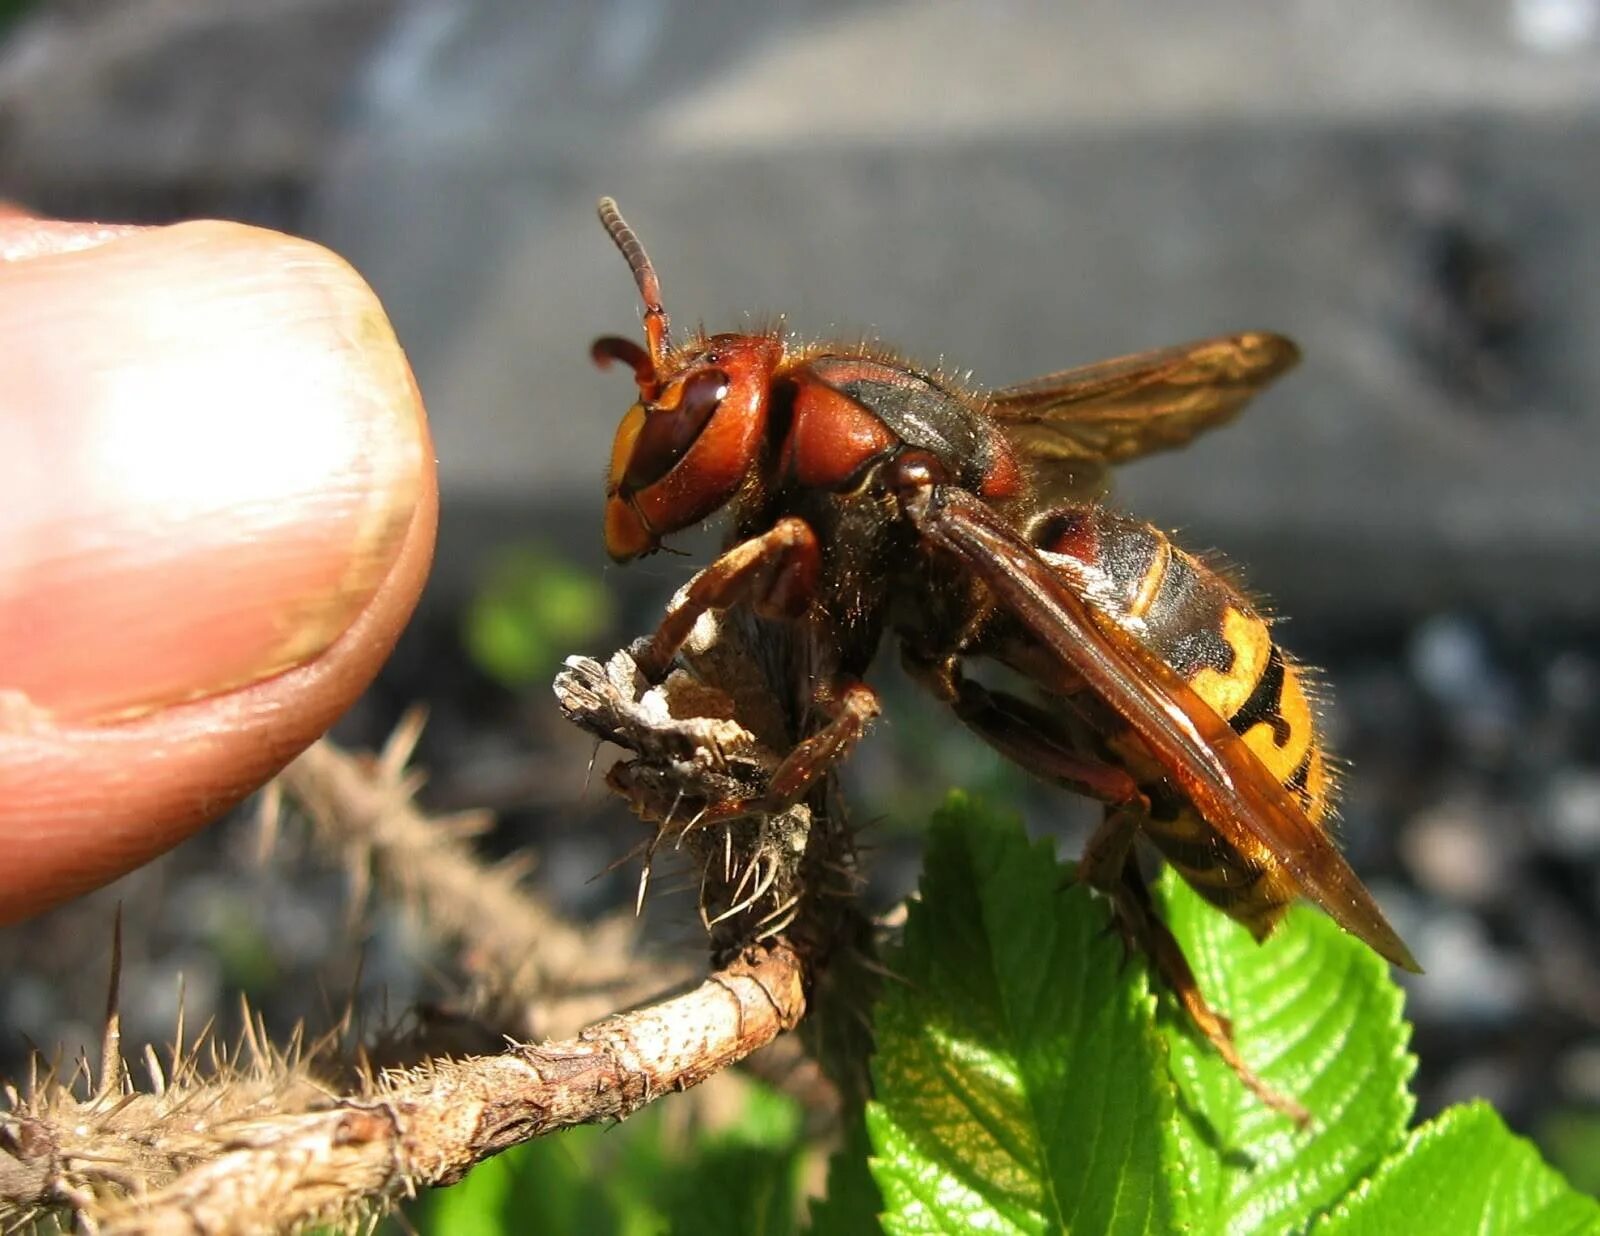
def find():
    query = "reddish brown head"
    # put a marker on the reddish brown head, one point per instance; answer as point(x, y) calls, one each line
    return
point(684, 449)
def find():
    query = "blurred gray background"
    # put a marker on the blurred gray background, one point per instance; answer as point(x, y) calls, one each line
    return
point(1411, 190)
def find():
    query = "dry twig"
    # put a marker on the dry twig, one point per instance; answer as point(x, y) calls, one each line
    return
point(410, 1129)
point(557, 974)
point(68, 1142)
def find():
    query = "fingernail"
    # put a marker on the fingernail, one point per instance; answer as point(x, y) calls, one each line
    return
point(211, 447)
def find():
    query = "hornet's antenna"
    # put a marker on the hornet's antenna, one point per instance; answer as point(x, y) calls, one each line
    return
point(644, 274)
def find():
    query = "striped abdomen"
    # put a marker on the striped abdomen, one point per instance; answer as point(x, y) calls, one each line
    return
point(1198, 623)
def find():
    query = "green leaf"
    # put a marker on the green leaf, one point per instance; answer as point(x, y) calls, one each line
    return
point(852, 1202)
point(737, 1190)
point(481, 1201)
point(1317, 1016)
point(1020, 1080)
point(11, 10)
point(631, 1167)
point(1571, 1140)
point(1023, 1086)
point(1464, 1172)
point(602, 1180)
point(530, 606)
point(744, 1179)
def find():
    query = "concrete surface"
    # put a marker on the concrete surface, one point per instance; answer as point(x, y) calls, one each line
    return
point(1411, 191)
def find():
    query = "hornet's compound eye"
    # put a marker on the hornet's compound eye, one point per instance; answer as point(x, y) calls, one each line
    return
point(668, 433)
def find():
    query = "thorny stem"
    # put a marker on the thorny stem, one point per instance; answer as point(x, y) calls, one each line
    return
point(557, 975)
point(427, 1126)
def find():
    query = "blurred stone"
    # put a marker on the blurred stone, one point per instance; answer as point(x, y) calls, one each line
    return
point(1406, 189)
point(1578, 1073)
point(1572, 682)
point(582, 871)
point(1569, 817)
point(152, 102)
point(29, 1004)
point(293, 912)
point(1450, 658)
point(399, 955)
point(1459, 850)
point(1490, 1078)
point(1468, 979)
point(1555, 25)
point(154, 990)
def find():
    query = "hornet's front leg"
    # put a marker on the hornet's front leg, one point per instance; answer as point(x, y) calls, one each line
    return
point(848, 706)
point(776, 574)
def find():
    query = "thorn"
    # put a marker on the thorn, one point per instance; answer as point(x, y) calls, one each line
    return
point(360, 890)
point(790, 904)
point(515, 868)
point(178, 1048)
point(728, 913)
point(645, 848)
point(852, 877)
point(473, 823)
point(405, 788)
point(752, 868)
point(152, 1065)
point(269, 820)
point(644, 885)
point(873, 966)
point(402, 743)
point(766, 884)
point(762, 886)
point(248, 1032)
point(778, 928)
point(111, 1044)
point(397, 1217)
point(701, 900)
point(206, 1039)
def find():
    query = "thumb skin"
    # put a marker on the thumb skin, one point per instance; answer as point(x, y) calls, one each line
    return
point(217, 511)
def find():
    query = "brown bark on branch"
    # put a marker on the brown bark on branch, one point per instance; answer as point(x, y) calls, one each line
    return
point(427, 1126)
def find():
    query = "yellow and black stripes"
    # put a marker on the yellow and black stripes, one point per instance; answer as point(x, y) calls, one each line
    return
point(1248, 887)
point(1278, 722)
point(1198, 623)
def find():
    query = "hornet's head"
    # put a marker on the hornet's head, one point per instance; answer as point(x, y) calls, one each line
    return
point(686, 446)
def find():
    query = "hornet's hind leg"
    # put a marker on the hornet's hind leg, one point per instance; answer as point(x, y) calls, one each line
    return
point(1062, 621)
point(1140, 923)
point(1033, 738)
